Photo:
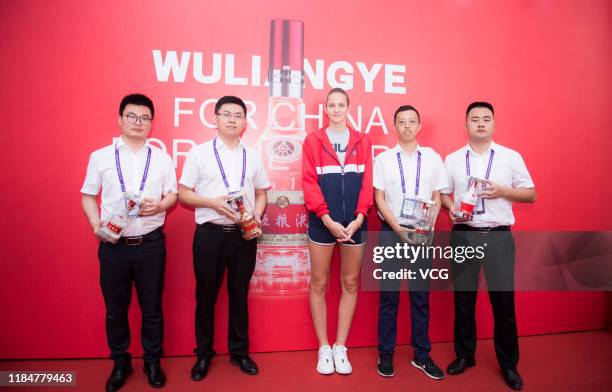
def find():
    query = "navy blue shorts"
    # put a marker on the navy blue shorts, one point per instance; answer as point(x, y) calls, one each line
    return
point(318, 233)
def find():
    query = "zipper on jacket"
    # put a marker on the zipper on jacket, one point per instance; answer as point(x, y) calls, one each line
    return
point(348, 154)
point(341, 177)
point(343, 198)
point(342, 173)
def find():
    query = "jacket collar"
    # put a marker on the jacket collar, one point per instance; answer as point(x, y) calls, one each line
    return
point(354, 138)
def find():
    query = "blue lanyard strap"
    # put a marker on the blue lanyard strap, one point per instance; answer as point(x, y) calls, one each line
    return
point(418, 173)
point(467, 163)
point(223, 176)
point(120, 174)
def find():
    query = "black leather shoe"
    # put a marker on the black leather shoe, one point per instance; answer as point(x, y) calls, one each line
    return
point(459, 364)
point(155, 374)
point(513, 379)
point(200, 369)
point(121, 371)
point(246, 364)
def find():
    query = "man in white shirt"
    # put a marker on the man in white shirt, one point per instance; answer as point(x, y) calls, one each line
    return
point(212, 171)
point(488, 225)
point(403, 175)
point(132, 170)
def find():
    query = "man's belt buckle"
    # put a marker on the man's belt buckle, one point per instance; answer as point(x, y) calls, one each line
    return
point(484, 231)
point(229, 228)
point(133, 241)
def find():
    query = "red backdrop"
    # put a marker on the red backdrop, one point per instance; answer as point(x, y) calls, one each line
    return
point(544, 64)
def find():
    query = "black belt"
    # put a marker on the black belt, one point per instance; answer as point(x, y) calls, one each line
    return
point(225, 228)
point(463, 227)
point(141, 239)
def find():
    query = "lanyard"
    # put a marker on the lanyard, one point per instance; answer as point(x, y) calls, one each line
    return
point(418, 173)
point(223, 176)
point(467, 171)
point(120, 174)
point(467, 163)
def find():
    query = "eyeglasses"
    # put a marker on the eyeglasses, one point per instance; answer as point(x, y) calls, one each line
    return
point(133, 119)
point(228, 116)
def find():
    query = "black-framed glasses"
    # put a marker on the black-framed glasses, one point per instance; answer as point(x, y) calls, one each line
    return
point(228, 116)
point(134, 119)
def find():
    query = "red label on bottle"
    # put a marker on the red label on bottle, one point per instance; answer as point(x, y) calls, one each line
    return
point(466, 207)
point(290, 219)
point(114, 228)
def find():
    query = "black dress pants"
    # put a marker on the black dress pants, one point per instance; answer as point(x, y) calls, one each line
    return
point(498, 265)
point(143, 265)
point(214, 250)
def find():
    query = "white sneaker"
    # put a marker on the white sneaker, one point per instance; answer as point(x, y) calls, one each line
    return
point(341, 362)
point(325, 365)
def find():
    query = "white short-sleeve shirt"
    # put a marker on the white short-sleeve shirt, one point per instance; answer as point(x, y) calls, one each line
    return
point(201, 173)
point(387, 176)
point(507, 169)
point(102, 175)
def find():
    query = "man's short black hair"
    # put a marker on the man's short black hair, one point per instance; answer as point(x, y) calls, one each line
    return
point(474, 105)
point(230, 99)
point(136, 99)
point(405, 108)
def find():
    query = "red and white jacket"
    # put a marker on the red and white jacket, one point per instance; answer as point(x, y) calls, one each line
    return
point(342, 191)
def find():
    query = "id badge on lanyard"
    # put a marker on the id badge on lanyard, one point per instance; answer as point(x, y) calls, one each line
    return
point(224, 176)
point(480, 208)
point(409, 204)
point(132, 202)
point(409, 207)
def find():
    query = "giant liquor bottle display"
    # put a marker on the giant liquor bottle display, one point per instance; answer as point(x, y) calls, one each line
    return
point(283, 266)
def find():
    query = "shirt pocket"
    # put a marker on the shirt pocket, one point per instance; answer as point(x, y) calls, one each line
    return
point(427, 182)
point(154, 184)
point(394, 185)
point(502, 175)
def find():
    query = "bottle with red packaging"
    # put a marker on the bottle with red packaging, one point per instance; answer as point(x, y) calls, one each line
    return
point(123, 213)
point(111, 228)
point(246, 219)
point(471, 198)
point(421, 224)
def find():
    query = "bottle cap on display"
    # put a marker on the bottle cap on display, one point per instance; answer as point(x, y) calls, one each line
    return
point(287, 44)
point(286, 69)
